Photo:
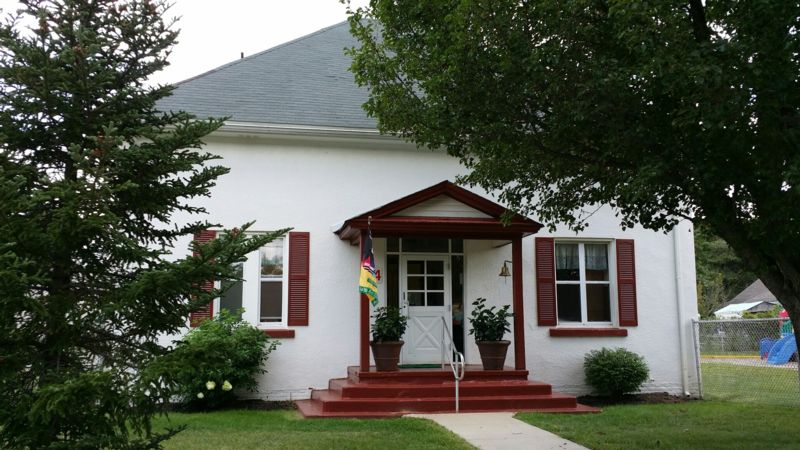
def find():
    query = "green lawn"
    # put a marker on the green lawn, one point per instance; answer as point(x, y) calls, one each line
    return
point(241, 429)
point(758, 384)
point(691, 425)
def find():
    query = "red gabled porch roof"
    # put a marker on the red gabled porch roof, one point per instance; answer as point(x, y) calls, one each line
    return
point(384, 223)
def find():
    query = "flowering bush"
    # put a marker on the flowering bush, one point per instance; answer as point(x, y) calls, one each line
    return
point(219, 355)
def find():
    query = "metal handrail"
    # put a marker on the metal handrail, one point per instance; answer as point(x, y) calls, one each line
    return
point(456, 364)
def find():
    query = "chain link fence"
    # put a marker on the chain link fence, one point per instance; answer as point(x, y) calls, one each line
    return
point(751, 360)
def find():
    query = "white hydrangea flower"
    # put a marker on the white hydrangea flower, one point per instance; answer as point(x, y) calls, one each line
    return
point(210, 385)
point(226, 386)
point(147, 393)
point(200, 395)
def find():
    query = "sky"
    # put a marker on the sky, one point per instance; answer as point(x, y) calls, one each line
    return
point(216, 32)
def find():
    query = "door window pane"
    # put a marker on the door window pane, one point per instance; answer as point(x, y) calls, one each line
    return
point(569, 302)
point(435, 298)
point(567, 262)
point(416, 283)
point(416, 267)
point(436, 267)
point(271, 302)
point(596, 262)
point(598, 304)
point(435, 283)
point(416, 299)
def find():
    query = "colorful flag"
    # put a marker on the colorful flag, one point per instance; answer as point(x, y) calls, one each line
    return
point(368, 284)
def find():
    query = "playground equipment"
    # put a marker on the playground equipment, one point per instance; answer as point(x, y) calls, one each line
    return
point(779, 351)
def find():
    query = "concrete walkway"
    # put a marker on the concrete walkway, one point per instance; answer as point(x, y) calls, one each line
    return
point(500, 431)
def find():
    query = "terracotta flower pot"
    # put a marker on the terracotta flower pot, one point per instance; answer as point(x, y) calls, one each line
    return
point(386, 354)
point(493, 354)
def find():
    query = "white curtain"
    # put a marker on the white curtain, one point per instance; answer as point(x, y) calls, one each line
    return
point(596, 256)
point(566, 256)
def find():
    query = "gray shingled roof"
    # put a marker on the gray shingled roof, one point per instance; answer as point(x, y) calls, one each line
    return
point(756, 292)
point(302, 82)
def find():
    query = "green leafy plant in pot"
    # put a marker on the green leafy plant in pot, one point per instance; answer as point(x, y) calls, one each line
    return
point(489, 325)
point(387, 334)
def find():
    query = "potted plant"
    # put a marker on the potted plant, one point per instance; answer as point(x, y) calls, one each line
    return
point(387, 332)
point(489, 326)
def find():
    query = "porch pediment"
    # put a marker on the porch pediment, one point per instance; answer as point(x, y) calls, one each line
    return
point(445, 210)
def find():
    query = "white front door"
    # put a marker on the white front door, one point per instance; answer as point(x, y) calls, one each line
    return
point(425, 284)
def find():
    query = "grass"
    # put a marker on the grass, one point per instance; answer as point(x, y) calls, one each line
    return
point(754, 384)
point(693, 425)
point(243, 429)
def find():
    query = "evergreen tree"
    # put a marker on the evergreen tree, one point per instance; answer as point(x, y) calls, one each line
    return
point(96, 186)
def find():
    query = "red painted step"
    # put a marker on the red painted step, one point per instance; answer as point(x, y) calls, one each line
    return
point(387, 394)
point(348, 389)
point(333, 403)
point(472, 373)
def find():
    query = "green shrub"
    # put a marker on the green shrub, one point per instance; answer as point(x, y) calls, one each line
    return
point(615, 372)
point(214, 360)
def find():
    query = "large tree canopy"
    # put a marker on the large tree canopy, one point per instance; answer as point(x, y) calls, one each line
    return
point(92, 177)
point(661, 109)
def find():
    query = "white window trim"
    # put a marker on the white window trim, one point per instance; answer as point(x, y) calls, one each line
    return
point(612, 282)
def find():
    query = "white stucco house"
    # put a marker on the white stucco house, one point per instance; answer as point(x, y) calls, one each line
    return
point(304, 155)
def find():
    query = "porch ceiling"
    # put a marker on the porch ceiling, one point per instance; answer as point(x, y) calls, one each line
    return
point(384, 223)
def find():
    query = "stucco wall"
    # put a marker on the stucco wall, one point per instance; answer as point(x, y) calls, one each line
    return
point(313, 184)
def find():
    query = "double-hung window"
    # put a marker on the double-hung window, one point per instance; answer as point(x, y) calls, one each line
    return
point(261, 288)
point(271, 281)
point(583, 286)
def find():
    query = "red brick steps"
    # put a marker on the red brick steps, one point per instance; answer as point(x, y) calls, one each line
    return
point(387, 394)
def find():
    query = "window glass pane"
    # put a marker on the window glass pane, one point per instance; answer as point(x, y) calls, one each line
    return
point(231, 299)
point(569, 302)
point(415, 266)
point(430, 245)
point(598, 304)
point(416, 283)
point(457, 245)
point(596, 262)
point(393, 244)
point(416, 299)
point(392, 280)
point(435, 267)
point(435, 283)
point(271, 302)
point(435, 298)
point(272, 259)
point(567, 263)
point(456, 278)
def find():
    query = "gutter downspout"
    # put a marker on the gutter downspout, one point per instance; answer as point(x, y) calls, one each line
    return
point(679, 305)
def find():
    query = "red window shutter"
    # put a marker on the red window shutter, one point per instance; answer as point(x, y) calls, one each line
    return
point(207, 312)
point(545, 281)
point(626, 283)
point(299, 243)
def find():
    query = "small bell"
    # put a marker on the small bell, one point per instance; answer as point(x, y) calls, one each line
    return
point(504, 270)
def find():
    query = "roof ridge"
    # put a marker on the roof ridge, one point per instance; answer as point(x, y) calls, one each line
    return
point(255, 55)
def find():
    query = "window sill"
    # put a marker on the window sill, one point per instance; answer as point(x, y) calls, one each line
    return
point(587, 332)
point(277, 333)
